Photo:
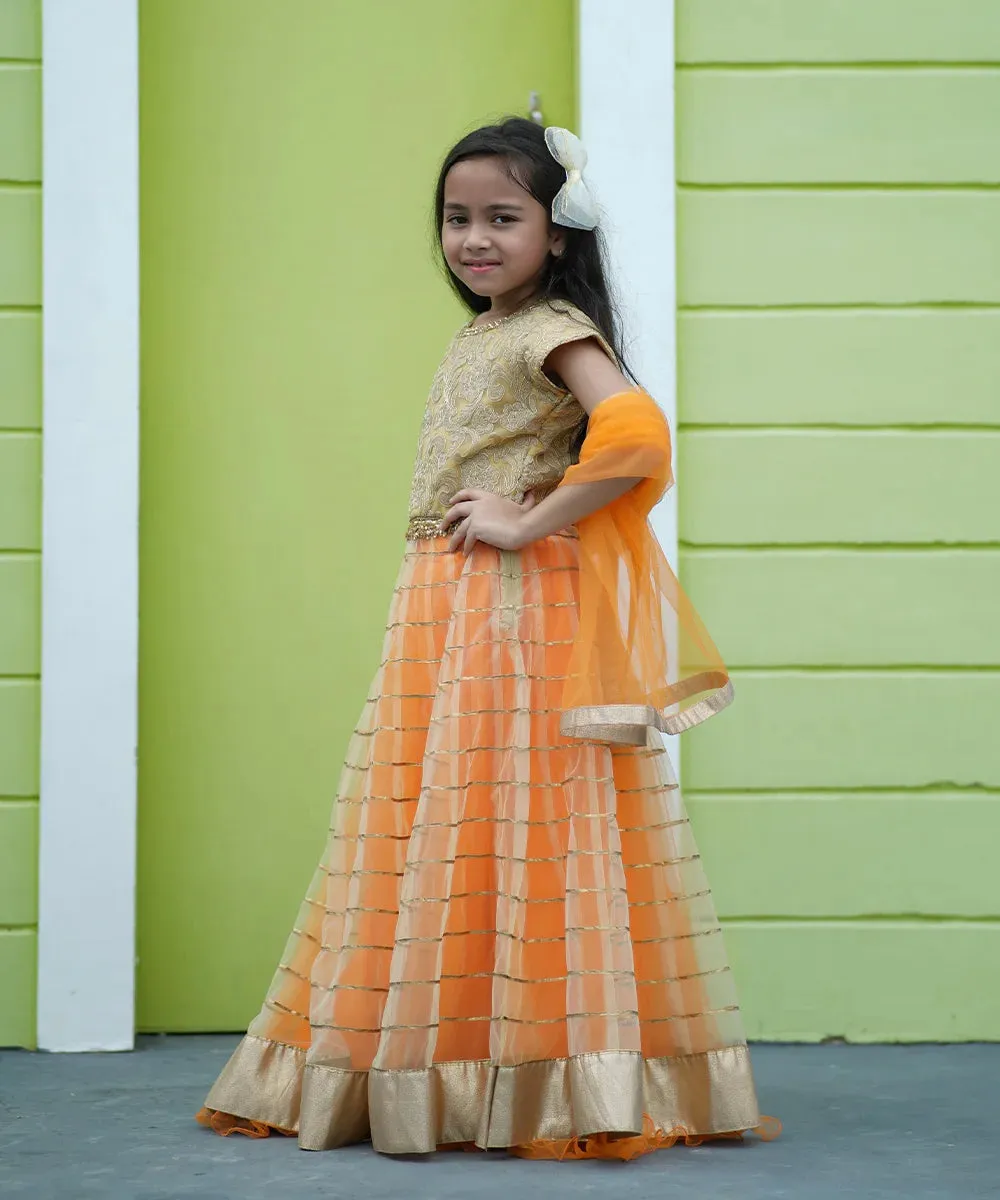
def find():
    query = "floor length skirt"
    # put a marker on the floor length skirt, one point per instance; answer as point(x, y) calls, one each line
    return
point(510, 940)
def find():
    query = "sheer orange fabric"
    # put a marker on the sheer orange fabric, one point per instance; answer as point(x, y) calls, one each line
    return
point(510, 938)
point(642, 658)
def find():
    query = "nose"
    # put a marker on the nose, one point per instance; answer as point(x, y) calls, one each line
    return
point(476, 236)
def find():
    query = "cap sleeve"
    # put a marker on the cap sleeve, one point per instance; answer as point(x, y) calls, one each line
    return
point(555, 325)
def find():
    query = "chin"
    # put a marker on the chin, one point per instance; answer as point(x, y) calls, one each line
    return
point(485, 287)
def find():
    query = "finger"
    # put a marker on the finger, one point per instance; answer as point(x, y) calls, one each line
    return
point(529, 502)
point(456, 513)
point(459, 535)
point(470, 538)
point(468, 494)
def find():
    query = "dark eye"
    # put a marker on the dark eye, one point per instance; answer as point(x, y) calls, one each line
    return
point(506, 218)
point(455, 219)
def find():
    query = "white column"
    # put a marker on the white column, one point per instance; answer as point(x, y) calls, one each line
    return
point(626, 80)
point(86, 941)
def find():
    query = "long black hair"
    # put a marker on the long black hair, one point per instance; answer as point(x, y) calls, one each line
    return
point(579, 274)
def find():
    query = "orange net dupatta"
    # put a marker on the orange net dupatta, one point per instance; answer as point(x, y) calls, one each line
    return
point(642, 658)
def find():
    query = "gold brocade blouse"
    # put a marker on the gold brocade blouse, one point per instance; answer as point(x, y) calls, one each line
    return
point(494, 420)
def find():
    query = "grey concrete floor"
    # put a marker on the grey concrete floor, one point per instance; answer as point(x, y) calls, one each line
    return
point(899, 1121)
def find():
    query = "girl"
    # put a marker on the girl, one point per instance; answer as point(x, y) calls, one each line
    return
point(509, 941)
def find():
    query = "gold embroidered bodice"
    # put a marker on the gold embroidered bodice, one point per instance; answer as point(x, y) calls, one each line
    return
point(494, 420)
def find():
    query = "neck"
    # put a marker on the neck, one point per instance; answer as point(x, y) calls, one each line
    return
point(503, 306)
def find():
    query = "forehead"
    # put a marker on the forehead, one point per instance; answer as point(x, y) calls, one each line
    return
point(483, 181)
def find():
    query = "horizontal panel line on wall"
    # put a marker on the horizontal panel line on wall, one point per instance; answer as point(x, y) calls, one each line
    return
point(899, 920)
point(831, 550)
point(19, 185)
point(734, 663)
point(795, 189)
point(798, 672)
point(838, 427)
point(755, 434)
point(19, 309)
point(763, 68)
point(20, 428)
point(882, 919)
point(826, 794)
point(740, 186)
point(853, 547)
point(844, 306)
point(20, 62)
point(29, 927)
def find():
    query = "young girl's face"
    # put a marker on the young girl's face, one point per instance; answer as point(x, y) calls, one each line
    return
point(496, 237)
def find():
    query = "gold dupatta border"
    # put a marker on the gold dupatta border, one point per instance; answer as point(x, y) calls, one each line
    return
point(628, 724)
point(415, 1111)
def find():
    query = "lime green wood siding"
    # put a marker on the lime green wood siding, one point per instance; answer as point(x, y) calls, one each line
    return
point(808, 126)
point(743, 33)
point(20, 509)
point(858, 366)
point(838, 361)
point(849, 486)
point(292, 319)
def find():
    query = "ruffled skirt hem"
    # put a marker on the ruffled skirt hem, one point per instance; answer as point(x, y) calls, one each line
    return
point(609, 1105)
point(605, 1146)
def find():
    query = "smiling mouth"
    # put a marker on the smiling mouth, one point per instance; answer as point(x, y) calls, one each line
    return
point(480, 266)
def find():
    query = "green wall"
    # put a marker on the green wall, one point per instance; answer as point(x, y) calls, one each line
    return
point(20, 508)
point(839, 352)
point(291, 322)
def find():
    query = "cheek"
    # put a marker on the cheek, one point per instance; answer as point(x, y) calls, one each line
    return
point(533, 236)
point(531, 247)
point(451, 242)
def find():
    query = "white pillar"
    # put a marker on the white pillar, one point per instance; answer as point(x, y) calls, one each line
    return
point(90, 194)
point(626, 79)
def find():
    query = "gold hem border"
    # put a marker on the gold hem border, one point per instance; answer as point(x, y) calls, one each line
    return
point(629, 724)
point(415, 1111)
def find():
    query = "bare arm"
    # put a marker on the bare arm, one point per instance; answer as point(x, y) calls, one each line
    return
point(567, 505)
point(591, 376)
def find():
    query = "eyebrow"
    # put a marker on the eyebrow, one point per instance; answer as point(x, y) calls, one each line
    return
point(513, 207)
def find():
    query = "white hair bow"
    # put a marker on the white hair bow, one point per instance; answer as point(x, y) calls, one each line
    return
point(574, 204)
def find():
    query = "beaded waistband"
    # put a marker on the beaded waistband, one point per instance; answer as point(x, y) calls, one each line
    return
point(424, 527)
point(421, 528)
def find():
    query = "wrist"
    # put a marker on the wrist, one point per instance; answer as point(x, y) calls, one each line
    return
point(527, 529)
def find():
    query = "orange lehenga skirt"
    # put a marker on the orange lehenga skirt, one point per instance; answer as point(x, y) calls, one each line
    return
point(510, 940)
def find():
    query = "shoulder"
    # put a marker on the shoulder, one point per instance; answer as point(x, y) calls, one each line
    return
point(560, 319)
point(568, 354)
point(554, 323)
